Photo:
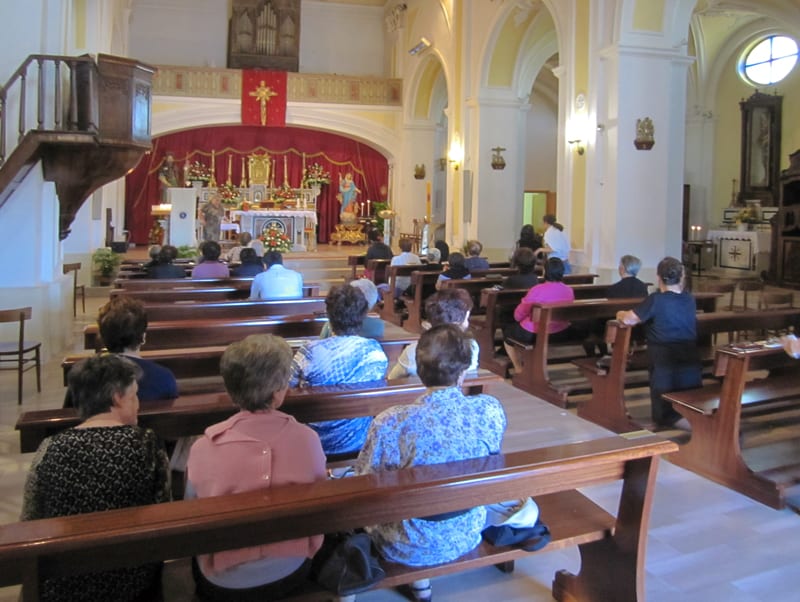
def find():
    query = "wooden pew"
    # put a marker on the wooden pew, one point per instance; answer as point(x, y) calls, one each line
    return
point(377, 270)
point(498, 305)
point(216, 293)
point(208, 333)
point(160, 312)
point(191, 414)
point(606, 406)
point(202, 362)
point(169, 283)
point(353, 261)
point(389, 312)
point(421, 281)
point(534, 377)
point(714, 412)
point(612, 547)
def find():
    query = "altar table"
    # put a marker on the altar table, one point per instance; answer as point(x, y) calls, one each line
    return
point(290, 222)
point(746, 251)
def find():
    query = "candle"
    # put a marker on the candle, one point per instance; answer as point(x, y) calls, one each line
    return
point(285, 172)
point(229, 181)
point(272, 175)
point(368, 210)
point(243, 183)
point(304, 164)
point(212, 182)
point(428, 200)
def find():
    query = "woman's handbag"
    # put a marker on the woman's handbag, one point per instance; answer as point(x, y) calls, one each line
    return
point(347, 565)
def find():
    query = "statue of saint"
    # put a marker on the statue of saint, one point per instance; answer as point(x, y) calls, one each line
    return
point(168, 175)
point(347, 194)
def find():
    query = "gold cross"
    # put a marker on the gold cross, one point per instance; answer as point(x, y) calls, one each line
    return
point(262, 94)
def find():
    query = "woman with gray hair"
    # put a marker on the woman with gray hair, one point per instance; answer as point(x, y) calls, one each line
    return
point(104, 463)
point(257, 448)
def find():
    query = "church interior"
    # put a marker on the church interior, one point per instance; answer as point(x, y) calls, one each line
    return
point(648, 127)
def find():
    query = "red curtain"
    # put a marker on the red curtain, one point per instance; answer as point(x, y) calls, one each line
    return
point(336, 154)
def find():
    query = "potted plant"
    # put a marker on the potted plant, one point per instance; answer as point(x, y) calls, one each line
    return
point(106, 263)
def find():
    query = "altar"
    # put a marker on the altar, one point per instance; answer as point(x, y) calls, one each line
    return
point(294, 223)
point(746, 251)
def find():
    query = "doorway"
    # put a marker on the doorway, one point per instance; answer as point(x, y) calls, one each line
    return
point(535, 205)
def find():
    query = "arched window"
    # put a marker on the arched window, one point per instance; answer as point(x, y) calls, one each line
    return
point(769, 61)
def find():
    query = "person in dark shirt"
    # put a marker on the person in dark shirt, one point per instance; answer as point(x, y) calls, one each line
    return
point(377, 248)
point(164, 268)
point(251, 264)
point(524, 260)
point(629, 285)
point(475, 261)
point(669, 318)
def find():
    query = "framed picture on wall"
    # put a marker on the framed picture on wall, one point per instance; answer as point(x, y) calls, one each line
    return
point(761, 147)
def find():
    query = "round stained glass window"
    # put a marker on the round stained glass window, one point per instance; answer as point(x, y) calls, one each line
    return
point(769, 61)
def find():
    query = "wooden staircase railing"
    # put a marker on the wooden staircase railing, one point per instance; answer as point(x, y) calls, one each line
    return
point(92, 124)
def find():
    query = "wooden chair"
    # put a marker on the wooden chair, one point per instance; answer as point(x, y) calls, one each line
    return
point(776, 300)
point(19, 352)
point(748, 286)
point(76, 288)
point(727, 289)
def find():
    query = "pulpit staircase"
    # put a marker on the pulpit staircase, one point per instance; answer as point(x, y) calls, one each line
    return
point(91, 125)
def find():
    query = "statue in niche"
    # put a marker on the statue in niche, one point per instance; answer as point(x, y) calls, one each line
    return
point(264, 34)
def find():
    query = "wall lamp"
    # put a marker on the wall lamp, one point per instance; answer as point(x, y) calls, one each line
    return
point(421, 46)
point(456, 152)
point(579, 145)
point(578, 132)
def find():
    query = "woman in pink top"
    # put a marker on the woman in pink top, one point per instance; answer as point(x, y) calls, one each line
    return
point(257, 448)
point(552, 290)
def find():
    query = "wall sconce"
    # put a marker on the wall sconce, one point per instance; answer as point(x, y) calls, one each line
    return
point(419, 171)
point(497, 158)
point(577, 132)
point(456, 152)
point(422, 45)
point(645, 134)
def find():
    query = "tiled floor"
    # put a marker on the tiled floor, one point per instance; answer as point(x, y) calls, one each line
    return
point(706, 543)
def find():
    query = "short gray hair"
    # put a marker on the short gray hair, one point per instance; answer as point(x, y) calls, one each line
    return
point(369, 289)
point(256, 368)
point(630, 264)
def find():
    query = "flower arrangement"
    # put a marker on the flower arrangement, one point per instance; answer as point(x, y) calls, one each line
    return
point(316, 175)
point(275, 240)
point(283, 194)
point(198, 172)
point(747, 215)
point(229, 195)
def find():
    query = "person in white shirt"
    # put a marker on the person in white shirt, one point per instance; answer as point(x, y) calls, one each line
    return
point(556, 242)
point(406, 257)
point(277, 282)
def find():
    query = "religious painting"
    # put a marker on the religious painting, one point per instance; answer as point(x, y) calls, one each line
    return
point(761, 144)
point(264, 34)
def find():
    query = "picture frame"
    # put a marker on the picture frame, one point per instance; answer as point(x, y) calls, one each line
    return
point(761, 148)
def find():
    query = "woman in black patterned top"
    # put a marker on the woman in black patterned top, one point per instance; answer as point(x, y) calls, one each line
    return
point(106, 462)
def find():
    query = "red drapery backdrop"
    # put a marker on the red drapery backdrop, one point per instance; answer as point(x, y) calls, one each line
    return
point(336, 154)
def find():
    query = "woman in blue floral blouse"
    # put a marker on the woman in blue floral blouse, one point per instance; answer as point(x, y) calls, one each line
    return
point(443, 425)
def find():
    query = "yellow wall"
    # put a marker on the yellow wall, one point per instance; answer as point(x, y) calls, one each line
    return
point(79, 8)
point(648, 15)
point(577, 221)
point(732, 88)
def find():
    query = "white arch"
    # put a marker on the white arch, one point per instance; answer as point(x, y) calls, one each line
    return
point(206, 112)
point(412, 90)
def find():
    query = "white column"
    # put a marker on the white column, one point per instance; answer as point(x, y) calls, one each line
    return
point(640, 196)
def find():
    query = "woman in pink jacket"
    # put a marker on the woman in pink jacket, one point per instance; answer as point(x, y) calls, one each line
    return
point(258, 448)
point(552, 290)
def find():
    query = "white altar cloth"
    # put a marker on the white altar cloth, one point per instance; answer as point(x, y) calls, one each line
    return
point(291, 222)
point(746, 251)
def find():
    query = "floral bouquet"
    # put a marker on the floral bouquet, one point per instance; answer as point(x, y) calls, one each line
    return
point(747, 215)
point(198, 172)
point(275, 240)
point(283, 194)
point(316, 176)
point(229, 195)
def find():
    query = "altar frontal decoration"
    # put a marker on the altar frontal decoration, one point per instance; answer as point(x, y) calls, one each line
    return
point(264, 98)
point(275, 239)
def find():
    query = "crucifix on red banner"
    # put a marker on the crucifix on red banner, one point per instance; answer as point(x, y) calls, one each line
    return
point(264, 97)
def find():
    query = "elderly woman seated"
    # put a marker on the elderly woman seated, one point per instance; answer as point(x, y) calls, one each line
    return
point(448, 306)
point(104, 463)
point(230, 458)
point(372, 327)
point(342, 358)
point(441, 426)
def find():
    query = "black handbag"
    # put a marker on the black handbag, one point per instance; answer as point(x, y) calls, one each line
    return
point(348, 565)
